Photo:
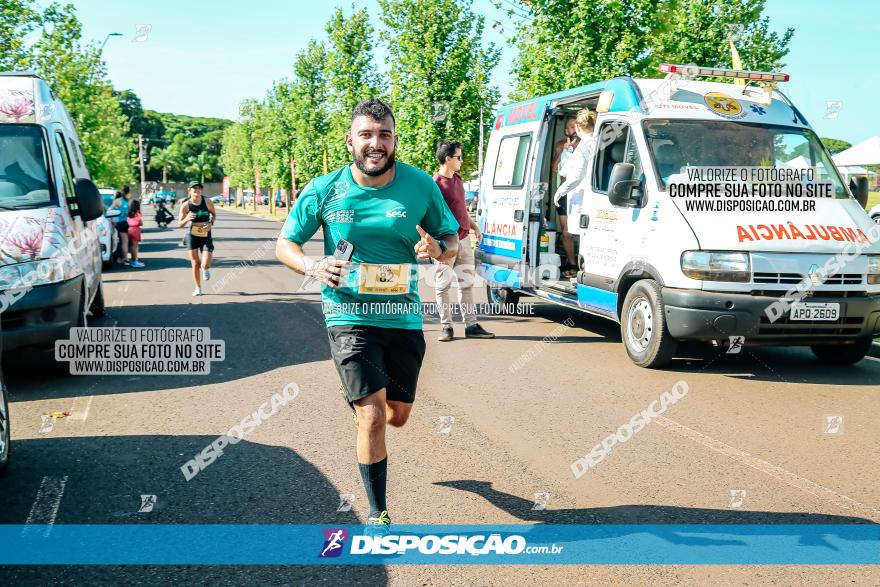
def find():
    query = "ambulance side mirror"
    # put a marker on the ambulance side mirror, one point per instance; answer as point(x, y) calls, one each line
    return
point(859, 188)
point(621, 185)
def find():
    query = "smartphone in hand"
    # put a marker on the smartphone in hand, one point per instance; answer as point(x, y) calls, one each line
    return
point(344, 250)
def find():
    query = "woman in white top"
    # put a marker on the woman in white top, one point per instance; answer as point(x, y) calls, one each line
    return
point(573, 170)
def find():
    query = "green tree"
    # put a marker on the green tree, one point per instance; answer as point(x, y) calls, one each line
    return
point(439, 76)
point(165, 160)
point(202, 165)
point(698, 31)
point(835, 146)
point(77, 75)
point(568, 43)
point(236, 157)
point(306, 111)
point(18, 20)
point(350, 73)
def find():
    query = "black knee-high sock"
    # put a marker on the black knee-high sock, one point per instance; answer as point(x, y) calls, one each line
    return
point(374, 476)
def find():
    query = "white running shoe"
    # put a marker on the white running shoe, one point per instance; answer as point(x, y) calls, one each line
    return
point(206, 274)
point(197, 292)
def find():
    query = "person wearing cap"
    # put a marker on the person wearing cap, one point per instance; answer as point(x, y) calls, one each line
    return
point(199, 213)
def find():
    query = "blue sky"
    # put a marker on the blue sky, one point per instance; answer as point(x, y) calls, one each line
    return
point(203, 58)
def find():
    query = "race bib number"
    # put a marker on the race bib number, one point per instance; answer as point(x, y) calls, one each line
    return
point(200, 230)
point(384, 279)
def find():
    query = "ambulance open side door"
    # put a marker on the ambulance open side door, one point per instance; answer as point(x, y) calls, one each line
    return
point(504, 205)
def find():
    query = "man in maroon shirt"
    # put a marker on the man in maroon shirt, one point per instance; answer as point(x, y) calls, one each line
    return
point(460, 268)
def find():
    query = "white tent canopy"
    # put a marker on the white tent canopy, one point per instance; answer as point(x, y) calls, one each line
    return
point(865, 153)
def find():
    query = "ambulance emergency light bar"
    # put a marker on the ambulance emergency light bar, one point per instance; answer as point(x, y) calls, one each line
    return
point(766, 76)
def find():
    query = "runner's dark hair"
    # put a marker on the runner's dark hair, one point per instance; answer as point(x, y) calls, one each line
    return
point(134, 208)
point(375, 109)
point(446, 148)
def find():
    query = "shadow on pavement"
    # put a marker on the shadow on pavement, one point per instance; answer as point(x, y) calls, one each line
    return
point(770, 364)
point(618, 520)
point(260, 336)
point(105, 477)
point(638, 514)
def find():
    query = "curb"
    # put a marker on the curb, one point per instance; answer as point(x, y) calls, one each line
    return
point(875, 350)
point(250, 213)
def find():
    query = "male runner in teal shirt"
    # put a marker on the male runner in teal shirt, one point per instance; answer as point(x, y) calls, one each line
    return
point(391, 214)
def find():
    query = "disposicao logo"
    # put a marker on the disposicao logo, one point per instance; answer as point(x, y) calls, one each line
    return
point(334, 540)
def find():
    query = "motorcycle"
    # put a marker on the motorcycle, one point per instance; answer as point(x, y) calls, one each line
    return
point(163, 216)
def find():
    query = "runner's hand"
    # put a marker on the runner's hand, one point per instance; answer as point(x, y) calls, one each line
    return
point(190, 217)
point(427, 247)
point(328, 270)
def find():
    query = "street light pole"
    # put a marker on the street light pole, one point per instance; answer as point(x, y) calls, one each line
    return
point(107, 38)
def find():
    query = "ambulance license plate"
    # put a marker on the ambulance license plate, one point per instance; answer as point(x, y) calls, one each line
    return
point(815, 311)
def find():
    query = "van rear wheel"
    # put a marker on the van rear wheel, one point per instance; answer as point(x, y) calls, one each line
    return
point(843, 354)
point(5, 435)
point(643, 326)
point(504, 297)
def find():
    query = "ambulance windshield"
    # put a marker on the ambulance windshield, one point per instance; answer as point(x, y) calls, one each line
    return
point(24, 178)
point(709, 143)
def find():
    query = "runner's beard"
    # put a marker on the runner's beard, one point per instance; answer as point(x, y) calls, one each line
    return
point(361, 161)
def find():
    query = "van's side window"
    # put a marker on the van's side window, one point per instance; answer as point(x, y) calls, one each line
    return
point(510, 167)
point(616, 145)
point(66, 172)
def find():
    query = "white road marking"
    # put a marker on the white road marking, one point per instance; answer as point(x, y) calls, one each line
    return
point(46, 504)
point(873, 359)
point(787, 477)
point(81, 413)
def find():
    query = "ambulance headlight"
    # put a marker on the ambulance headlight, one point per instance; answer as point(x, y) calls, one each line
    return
point(716, 265)
point(873, 269)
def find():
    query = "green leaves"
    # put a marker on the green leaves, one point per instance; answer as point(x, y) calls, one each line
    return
point(438, 76)
point(438, 80)
point(76, 74)
point(569, 43)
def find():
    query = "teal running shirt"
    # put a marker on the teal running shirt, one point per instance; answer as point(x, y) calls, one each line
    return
point(381, 288)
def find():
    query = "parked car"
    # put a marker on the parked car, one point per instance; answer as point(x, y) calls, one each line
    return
point(217, 199)
point(50, 254)
point(107, 234)
point(470, 198)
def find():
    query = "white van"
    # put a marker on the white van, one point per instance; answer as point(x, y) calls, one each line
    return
point(50, 259)
point(663, 272)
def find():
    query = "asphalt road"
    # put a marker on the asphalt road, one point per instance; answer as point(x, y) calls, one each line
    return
point(749, 443)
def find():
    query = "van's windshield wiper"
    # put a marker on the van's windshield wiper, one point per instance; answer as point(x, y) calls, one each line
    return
point(2, 207)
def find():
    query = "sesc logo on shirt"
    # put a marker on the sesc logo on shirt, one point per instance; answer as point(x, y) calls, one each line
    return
point(341, 217)
point(399, 212)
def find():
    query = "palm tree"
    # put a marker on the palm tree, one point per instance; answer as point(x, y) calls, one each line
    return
point(202, 164)
point(166, 159)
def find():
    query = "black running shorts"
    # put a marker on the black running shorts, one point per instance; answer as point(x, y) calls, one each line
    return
point(200, 242)
point(369, 358)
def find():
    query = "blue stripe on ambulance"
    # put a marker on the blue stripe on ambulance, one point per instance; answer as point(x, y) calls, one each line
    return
point(597, 300)
point(502, 245)
point(501, 275)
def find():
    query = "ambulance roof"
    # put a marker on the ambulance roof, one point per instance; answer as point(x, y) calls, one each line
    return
point(667, 98)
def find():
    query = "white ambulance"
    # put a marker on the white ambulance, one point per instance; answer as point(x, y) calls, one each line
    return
point(50, 257)
point(794, 277)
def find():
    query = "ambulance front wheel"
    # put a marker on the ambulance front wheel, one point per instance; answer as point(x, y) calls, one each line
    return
point(643, 326)
point(506, 298)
